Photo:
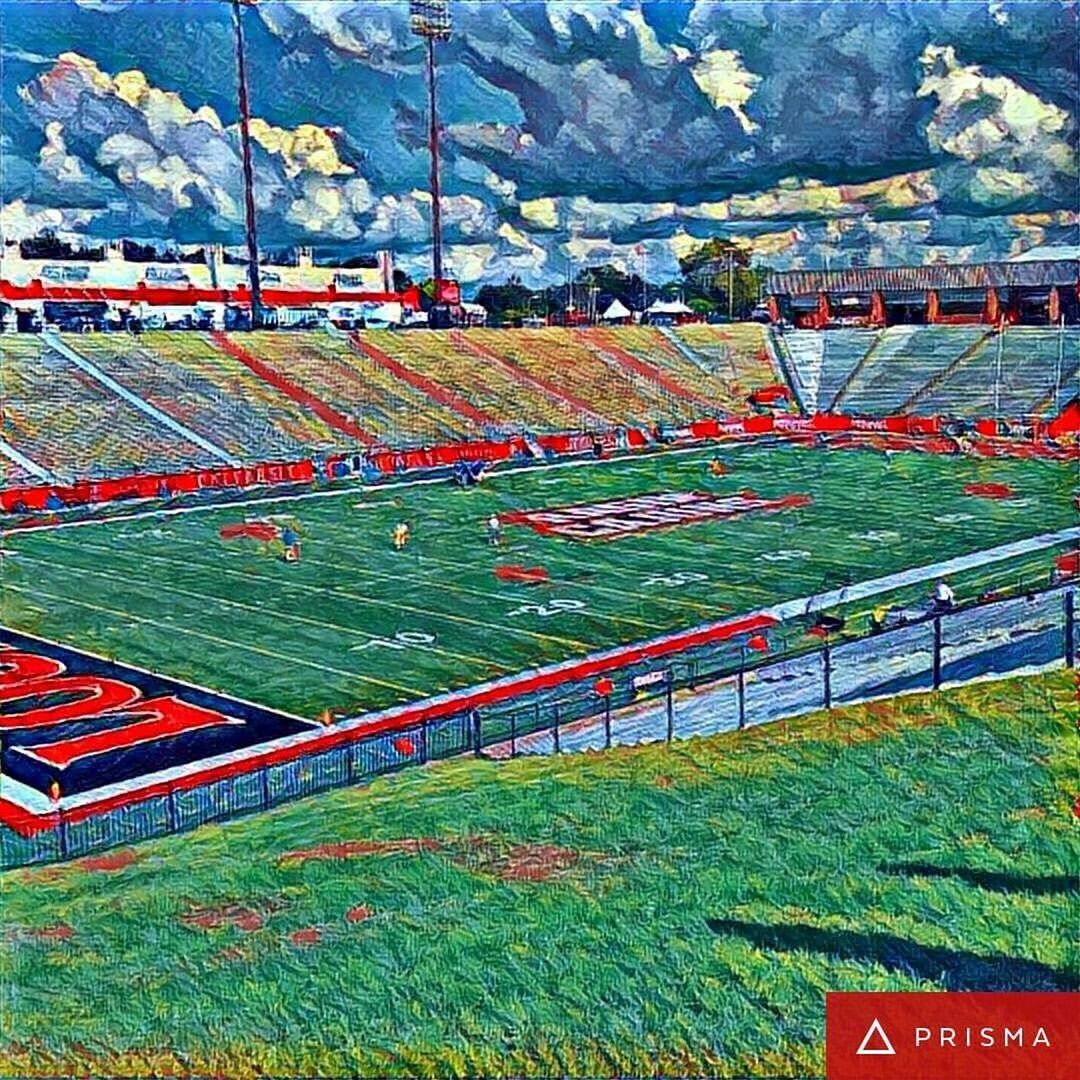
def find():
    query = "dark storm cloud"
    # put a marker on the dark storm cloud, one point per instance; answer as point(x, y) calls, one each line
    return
point(811, 127)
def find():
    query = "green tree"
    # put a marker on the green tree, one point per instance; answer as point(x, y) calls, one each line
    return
point(710, 267)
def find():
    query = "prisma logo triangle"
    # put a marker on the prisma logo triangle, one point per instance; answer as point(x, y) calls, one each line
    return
point(875, 1042)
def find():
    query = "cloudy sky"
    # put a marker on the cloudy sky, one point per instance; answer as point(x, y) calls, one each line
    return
point(886, 132)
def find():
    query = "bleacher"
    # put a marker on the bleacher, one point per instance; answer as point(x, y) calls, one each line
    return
point(13, 474)
point(1033, 360)
point(331, 368)
point(902, 363)
point(566, 363)
point(198, 388)
point(446, 358)
point(733, 361)
point(71, 425)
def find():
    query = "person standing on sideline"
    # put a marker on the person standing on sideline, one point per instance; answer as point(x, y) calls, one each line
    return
point(943, 599)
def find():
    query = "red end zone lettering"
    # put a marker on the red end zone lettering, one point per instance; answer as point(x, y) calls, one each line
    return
point(662, 510)
point(162, 718)
point(94, 695)
point(939, 1036)
point(26, 676)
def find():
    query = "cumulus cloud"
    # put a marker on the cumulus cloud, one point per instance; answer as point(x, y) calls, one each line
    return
point(807, 130)
point(1016, 141)
point(171, 158)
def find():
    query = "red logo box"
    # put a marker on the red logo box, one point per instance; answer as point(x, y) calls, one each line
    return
point(991, 1036)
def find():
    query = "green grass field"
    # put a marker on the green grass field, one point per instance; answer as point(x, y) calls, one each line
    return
point(356, 626)
point(657, 911)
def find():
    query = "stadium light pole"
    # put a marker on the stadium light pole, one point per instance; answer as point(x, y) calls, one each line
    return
point(249, 171)
point(430, 20)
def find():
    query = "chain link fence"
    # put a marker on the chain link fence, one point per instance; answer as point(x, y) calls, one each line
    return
point(703, 691)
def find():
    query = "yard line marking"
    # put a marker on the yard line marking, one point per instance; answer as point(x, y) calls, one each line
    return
point(272, 612)
point(128, 616)
point(359, 486)
point(496, 627)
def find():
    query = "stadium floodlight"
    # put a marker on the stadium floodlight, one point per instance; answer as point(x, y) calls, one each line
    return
point(249, 171)
point(430, 20)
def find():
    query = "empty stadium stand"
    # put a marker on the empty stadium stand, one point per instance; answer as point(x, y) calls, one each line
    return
point(900, 362)
point(91, 406)
point(733, 359)
point(72, 426)
point(150, 366)
point(1038, 374)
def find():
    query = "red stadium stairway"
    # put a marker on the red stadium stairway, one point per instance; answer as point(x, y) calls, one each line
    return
point(327, 413)
point(462, 342)
point(606, 347)
point(435, 391)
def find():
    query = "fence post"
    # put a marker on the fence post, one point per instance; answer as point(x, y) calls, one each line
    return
point(63, 837)
point(607, 721)
point(513, 732)
point(423, 743)
point(170, 805)
point(826, 671)
point(1070, 628)
point(937, 652)
point(556, 730)
point(669, 694)
point(264, 786)
point(477, 733)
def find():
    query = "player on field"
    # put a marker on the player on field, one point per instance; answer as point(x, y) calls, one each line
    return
point(494, 530)
point(401, 535)
point(290, 538)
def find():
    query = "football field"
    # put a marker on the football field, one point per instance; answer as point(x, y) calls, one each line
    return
point(590, 555)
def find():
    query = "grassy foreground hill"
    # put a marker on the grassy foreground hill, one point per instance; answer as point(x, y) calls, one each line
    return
point(647, 911)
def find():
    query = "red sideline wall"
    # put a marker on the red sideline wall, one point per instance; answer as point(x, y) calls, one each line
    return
point(896, 432)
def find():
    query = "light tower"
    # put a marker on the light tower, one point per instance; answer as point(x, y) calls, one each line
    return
point(249, 172)
point(430, 19)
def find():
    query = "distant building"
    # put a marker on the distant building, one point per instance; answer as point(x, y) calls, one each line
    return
point(1039, 288)
point(114, 291)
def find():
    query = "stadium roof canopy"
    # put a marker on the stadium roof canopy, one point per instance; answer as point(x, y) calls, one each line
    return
point(1031, 274)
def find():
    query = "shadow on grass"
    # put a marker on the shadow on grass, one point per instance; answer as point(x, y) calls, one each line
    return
point(952, 968)
point(993, 880)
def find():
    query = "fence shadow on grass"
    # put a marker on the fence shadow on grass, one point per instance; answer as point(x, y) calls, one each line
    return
point(954, 969)
point(993, 880)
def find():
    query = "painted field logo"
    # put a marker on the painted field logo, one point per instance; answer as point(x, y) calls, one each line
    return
point(644, 513)
point(1011, 1036)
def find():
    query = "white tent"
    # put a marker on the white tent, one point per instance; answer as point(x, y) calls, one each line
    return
point(669, 308)
point(616, 311)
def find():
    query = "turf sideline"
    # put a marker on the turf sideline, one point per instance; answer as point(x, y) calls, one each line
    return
point(398, 717)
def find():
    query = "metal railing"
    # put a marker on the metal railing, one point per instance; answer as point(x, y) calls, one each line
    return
point(706, 690)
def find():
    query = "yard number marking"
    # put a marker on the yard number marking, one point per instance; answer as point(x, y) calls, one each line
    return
point(403, 639)
point(676, 580)
point(553, 607)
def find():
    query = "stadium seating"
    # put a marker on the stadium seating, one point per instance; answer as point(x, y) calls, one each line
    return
point(733, 361)
point(1029, 367)
point(634, 351)
point(451, 359)
point(333, 369)
point(14, 475)
point(903, 364)
point(74, 427)
point(198, 388)
point(571, 368)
